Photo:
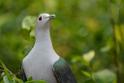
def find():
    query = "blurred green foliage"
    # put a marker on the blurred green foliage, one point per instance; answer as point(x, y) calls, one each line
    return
point(89, 34)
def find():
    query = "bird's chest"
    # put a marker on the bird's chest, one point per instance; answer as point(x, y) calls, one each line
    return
point(38, 65)
point(38, 68)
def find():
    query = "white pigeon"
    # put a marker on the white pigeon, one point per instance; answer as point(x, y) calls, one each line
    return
point(42, 62)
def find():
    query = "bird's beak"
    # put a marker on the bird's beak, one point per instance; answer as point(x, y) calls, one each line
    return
point(52, 16)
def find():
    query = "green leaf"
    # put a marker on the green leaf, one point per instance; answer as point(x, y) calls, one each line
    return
point(89, 56)
point(36, 81)
point(6, 80)
point(6, 72)
point(105, 76)
point(28, 22)
point(30, 78)
point(87, 74)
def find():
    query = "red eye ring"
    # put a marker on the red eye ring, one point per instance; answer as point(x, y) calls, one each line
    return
point(40, 18)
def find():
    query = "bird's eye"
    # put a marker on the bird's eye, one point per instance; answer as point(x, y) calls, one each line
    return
point(40, 18)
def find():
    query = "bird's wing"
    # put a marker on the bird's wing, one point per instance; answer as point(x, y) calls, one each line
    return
point(63, 72)
point(22, 74)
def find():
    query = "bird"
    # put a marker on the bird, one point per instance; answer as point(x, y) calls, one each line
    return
point(42, 62)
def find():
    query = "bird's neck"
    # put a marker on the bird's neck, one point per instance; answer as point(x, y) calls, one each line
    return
point(44, 45)
point(42, 35)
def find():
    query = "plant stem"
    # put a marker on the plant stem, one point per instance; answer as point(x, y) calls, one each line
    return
point(116, 47)
point(116, 52)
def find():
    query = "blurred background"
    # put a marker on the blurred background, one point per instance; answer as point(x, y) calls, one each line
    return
point(89, 34)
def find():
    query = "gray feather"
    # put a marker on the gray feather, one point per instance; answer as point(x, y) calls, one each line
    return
point(63, 72)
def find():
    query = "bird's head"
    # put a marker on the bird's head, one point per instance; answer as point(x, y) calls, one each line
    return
point(44, 19)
